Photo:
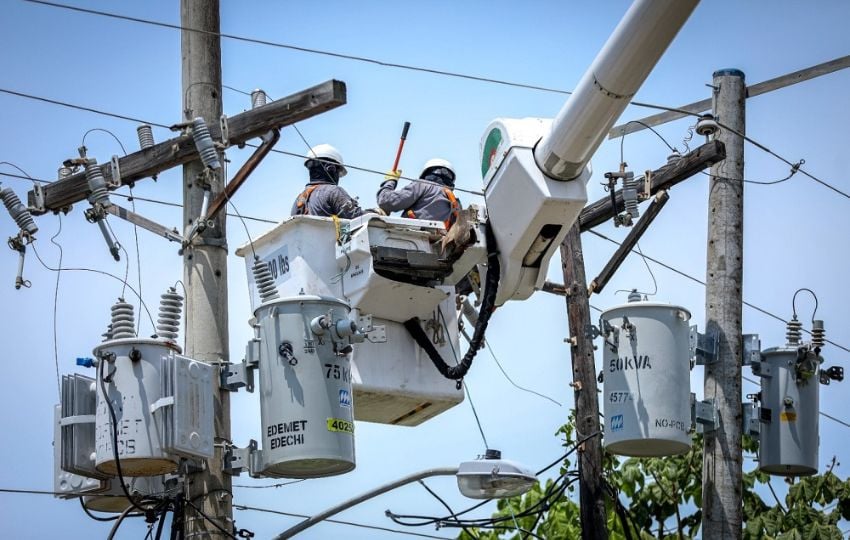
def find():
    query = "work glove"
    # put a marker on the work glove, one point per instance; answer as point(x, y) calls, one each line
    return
point(393, 176)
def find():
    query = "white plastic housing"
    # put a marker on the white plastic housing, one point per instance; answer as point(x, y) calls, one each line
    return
point(646, 366)
point(394, 382)
point(530, 213)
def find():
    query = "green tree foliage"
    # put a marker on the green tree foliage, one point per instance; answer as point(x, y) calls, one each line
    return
point(661, 499)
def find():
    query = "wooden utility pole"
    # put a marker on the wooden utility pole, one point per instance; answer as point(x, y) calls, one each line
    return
point(722, 458)
point(205, 264)
point(591, 490)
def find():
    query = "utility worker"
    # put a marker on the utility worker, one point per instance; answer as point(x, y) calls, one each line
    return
point(432, 200)
point(322, 196)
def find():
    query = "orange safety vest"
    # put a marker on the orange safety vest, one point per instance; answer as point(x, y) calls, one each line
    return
point(301, 201)
point(455, 209)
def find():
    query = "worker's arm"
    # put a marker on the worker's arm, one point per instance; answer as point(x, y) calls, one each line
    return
point(391, 200)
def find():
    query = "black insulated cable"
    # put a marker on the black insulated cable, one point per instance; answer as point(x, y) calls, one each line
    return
point(488, 306)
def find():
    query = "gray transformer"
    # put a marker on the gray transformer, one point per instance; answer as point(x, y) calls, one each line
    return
point(305, 387)
point(789, 434)
point(162, 402)
point(646, 367)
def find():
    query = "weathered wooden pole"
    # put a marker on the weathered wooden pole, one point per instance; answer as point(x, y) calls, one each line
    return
point(591, 485)
point(722, 459)
point(205, 263)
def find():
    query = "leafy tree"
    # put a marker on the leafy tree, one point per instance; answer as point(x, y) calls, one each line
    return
point(661, 498)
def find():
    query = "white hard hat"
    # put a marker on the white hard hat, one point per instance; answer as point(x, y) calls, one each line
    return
point(435, 163)
point(326, 152)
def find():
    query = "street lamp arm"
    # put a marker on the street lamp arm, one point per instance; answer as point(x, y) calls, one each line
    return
point(427, 473)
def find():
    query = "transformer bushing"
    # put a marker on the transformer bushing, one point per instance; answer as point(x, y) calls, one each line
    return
point(305, 388)
point(790, 401)
point(646, 367)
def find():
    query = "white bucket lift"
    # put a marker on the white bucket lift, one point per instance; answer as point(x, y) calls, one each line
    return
point(388, 270)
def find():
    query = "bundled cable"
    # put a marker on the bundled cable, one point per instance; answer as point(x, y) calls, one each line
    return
point(488, 305)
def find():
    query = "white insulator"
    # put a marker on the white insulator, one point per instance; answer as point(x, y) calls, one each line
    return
point(18, 211)
point(264, 280)
point(170, 309)
point(258, 98)
point(63, 172)
point(145, 136)
point(707, 126)
point(793, 331)
point(123, 320)
point(97, 184)
point(635, 296)
point(818, 334)
point(204, 143)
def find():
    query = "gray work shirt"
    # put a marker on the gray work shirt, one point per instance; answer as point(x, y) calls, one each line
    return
point(426, 200)
point(327, 200)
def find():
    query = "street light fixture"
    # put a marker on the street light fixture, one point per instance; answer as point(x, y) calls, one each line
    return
point(489, 477)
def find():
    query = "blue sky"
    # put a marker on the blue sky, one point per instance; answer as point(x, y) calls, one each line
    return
point(795, 234)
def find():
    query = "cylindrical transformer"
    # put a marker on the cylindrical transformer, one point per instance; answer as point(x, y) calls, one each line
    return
point(788, 438)
point(305, 387)
point(131, 370)
point(115, 500)
point(646, 365)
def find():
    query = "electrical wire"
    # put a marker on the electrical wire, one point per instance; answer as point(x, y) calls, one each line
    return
point(56, 307)
point(37, 256)
point(465, 387)
point(336, 521)
point(92, 516)
point(701, 282)
point(108, 132)
point(113, 428)
point(281, 484)
point(508, 377)
point(447, 507)
point(26, 175)
point(212, 521)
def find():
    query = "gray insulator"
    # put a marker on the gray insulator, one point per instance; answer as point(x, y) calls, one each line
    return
point(123, 321)
point(674, 157)
point(793, 331)
point(258, 98)
point(635, 296)
point(170, 309)
point(63, 172)
point(18, 211)
point(145, 136)
point(97, 184)
point(630, 195)
point(818, 334)
point(205, 144)
point(264, 280)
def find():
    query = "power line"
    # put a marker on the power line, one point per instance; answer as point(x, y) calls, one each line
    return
point(140, 121)
point(79, 107)
point(337, 521)
point(701, 282)
point(343, 56)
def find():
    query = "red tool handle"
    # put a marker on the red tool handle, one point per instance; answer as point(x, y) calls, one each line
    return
point(401, 144)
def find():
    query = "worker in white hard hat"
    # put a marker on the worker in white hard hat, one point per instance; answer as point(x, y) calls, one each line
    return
point(322, 195)
point(432, 198)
